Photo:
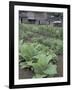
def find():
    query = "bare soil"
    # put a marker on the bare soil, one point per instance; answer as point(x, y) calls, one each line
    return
point(60, 65)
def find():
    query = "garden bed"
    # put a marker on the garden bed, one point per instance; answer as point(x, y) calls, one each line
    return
point(40, 43)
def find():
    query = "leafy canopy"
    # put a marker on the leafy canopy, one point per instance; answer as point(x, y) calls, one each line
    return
point(39, 59)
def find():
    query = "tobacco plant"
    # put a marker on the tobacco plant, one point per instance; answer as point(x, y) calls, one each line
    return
point(38, 58)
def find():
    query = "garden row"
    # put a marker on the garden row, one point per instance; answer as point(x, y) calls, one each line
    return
point(39, 46)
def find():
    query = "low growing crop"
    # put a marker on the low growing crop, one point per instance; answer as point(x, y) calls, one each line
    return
point(38, 58)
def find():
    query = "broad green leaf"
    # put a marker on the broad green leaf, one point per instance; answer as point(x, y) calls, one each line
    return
point(23, 65)
point(28, 51)
point(37, 68)
point(44, 60)
point(51, 70)
point(29, 63)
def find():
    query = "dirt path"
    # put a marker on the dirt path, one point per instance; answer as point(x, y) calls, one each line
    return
point(25, 74)
point(60, 65)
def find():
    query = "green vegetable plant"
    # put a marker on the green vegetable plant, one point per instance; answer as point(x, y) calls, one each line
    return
point(38, 58)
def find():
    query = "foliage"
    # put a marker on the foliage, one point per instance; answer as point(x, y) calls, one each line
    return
point(39, 46)
point(38, 58)
point(55, 44)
